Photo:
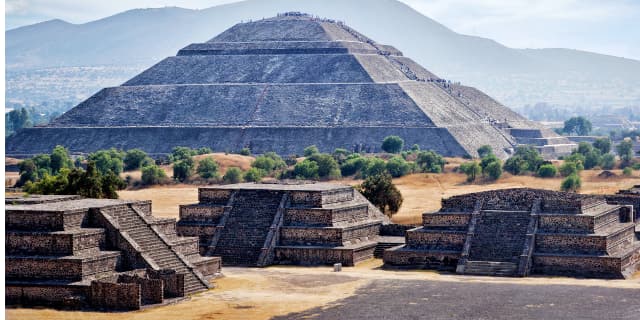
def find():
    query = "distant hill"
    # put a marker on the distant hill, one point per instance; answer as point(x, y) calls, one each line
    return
point(142, 37)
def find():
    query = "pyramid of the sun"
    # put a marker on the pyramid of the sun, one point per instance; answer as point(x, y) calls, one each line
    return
point(282, 84)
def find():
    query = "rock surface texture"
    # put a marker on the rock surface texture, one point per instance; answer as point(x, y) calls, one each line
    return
point(66, 251)
point(281, 84)
point(516, 232)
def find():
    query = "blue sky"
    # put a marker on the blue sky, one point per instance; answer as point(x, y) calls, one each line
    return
point(603, 26)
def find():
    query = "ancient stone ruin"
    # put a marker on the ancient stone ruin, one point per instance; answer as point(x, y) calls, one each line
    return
point(66, 251)
point(517, 232)
point(282, 84)
point(259, 224)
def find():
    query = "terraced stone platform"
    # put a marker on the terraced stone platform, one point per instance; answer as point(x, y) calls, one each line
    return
point(258, 224)
point(67, 251)
point(516, 232)
point(281, 84)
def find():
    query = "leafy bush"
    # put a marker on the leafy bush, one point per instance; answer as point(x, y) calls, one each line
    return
point(60, 159)
point(493, 170)
point(327, 166)
point(352, 165)
point(340, 155)
point(547, 171)
point(181, 153)
point(108, 160)
point(603, 144)
point(152, 174)
point(398, 167)
point(608, 161)
point(516, 165)
point(430, 161)
point(484, 151)
point(310, 150)
point(570, 168)
point(571, 183)
point(204, 150)
point(306, 169)
point(183, 169)
point(233, 175)
point(373, 166)
point(382, 193)
point(627, 171)
point(254, 175)
point(207, 168)
point(392, 144)
point(134, 159)
point(245, 152)
point(471, 169)
point(625, 151)
point(269, 162)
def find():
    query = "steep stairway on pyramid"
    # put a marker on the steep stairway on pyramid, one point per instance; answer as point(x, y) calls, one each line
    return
point(247, 227)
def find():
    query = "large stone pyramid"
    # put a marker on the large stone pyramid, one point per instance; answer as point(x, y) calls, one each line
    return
point(282, 84)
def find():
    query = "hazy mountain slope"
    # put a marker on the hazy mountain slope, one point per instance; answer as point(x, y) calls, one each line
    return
point(515, 76)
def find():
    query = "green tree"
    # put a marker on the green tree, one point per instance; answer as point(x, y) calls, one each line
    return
point(269, 162)
point(254, 175)
point(327, 166)
point(152, 174)
point(207, 168)
point(181, 153)
point(484, 151)
point(392, 144)
point(608, 161)
point(352, 165)
point(430, 161)
point(204, 150)
point(245, 152)
point(90, 184)
point(310, 150)
point(471, 169)
point(382, 193)
point(108, 160)
point(578, 126)
point(547, 171)
point(516, 165)
point(233, 175)
point(571, 183)
point(493, 170)
point(373, 166)
point(570, 168)
point(183, 169)
point(16, 120)
point(603, 144)
point(134, 159)
point(415, 148)
point(340, 155)
point(28, 172)
point(60, 159)
point(306, 169)
point(627, 171)
point(625, 151)
point(398, 167)
point(111, 183)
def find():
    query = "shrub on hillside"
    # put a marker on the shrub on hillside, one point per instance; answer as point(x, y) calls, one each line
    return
point(254, 175)
point(608, 161)
point(135, 159)
point(430, 161)
point(471, 169)
point(627, 171)
point(183, 169)
point(493, 170)
point(310, 150)
point(181, 153)
point(306, 169)
point(207, 168)
point(484, 151)
point(233, 175)
point(152, 174)
point(108, 160)
point(569, 167)
point(327, 166)
point(547, 171)
point(204, 150)
point(398, 167)
point(245, 152)
point(571, 183)
point(392, 144)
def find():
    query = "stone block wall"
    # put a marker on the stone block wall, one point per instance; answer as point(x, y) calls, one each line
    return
point(435, 240)
point(108, 295)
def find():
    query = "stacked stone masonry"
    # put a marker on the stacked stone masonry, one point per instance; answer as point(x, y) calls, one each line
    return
point(257, 224)
point(515, 232)
point(281, 84)
point(66, 251)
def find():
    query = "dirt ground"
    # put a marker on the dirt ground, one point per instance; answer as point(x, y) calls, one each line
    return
point(255, 293)
point(421, 192)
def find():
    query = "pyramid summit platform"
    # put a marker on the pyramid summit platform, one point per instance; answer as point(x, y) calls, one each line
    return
point(282, 84)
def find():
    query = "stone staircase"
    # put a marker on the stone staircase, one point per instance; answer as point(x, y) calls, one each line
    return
point(247, 226)
point(491, 268)
point(155, 248)
point(498, 242)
